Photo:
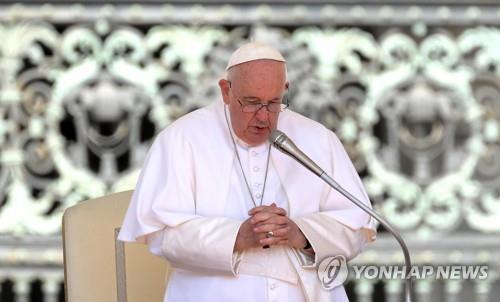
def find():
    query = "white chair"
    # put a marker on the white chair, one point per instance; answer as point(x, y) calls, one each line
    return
point(98, 267)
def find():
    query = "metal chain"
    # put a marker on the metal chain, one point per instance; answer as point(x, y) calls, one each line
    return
point(241, 166)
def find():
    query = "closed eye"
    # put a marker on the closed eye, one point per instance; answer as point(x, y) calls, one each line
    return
point(251, 101)
point(257, 102)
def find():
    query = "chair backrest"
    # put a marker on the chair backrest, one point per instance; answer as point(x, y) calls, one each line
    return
point(98, 267)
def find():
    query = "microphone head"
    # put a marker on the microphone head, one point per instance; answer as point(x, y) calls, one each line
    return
point(276, 137)
point(280, 141)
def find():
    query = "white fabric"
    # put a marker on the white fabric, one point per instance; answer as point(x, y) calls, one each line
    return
point(254, 51)
point(190, 202)
point(252, 284)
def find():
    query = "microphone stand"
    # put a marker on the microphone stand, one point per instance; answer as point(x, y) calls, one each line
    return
point(281, 142)
point(382, 221)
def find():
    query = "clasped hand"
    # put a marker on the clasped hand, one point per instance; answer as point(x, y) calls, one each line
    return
point(265, 219)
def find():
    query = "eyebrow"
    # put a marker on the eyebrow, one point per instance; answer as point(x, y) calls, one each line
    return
point(256, 99)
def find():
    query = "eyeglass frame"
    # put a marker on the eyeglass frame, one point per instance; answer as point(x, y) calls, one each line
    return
point(285, 97)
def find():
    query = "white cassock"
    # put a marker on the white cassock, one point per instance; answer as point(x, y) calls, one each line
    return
point(191, 199)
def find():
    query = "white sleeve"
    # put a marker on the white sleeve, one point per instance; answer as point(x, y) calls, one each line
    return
point(200, 244)
point(163, 211)
point(340, 228)
point(329, 237)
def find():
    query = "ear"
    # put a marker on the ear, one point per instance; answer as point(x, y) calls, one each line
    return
point(224, 89)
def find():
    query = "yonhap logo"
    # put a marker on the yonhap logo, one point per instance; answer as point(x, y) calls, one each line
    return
point(332, 271)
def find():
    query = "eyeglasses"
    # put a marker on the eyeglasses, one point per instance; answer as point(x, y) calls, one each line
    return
point(273, 107)
point(253, 107)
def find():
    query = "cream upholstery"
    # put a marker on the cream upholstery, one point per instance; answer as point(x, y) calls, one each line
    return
point(97, 267)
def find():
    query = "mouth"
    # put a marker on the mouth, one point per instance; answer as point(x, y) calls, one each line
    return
point(259, 129)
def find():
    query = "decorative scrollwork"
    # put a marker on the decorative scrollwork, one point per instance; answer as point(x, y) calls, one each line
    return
point(417, 112)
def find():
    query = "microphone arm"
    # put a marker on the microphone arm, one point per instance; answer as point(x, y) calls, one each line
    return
point(281, 142)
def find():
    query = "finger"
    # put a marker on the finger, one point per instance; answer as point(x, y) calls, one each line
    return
point(274, 241)
point(268, 227)
point(261, 236)
point(274, 222)
point(260, 217)
point(269, 241)
point(271, 207)
point(267, 209)
point(257, 209)
point(282, 242)
point(282, 232)
point(275, 219)
point(266, 217)
point(261, 208)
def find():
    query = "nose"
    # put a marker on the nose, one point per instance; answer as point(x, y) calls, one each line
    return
point(262, 114)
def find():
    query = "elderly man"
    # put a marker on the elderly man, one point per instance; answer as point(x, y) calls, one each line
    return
point(237, 220)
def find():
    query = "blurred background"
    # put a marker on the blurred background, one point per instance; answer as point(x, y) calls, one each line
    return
point(412, 88)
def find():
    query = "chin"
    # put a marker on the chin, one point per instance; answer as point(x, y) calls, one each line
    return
point(254, 139)
point(260, 141)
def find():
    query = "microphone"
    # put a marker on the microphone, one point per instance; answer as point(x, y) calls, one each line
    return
point(280, 141)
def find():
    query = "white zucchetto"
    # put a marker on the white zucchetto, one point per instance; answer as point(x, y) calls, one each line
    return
point(254, 51)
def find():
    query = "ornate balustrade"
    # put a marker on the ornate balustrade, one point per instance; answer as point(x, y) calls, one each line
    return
point(412, 90)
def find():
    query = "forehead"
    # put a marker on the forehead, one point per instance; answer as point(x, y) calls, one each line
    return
point(256, 68)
